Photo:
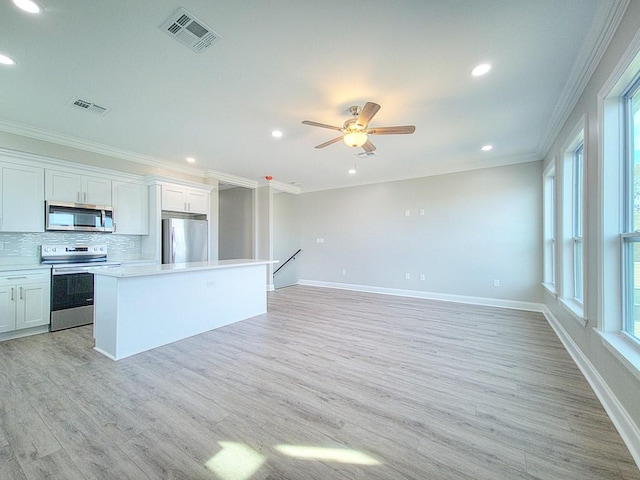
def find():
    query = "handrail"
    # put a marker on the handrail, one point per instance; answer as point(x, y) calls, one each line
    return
point(290, 258)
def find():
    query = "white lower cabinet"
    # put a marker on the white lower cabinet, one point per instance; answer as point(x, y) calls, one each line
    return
point(24, 299)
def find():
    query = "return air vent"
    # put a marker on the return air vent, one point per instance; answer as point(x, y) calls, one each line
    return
point(190, 31)
point(89, 107)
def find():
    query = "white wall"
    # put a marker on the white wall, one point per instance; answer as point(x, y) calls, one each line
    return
point(477, 227)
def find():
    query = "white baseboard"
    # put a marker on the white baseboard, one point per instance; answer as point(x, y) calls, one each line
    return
point(445, 297)
point(625, 425)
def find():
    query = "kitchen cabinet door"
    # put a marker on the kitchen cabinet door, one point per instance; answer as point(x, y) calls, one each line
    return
point(96, 190)
point(174, 198)
point(197, 201)
point(131, 208)
point(32, 306)
point(75, 188)
point(179, 198)
point(22, 199)
point(7, 308)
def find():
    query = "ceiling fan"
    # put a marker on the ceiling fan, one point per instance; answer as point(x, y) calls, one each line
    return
point(356, 130)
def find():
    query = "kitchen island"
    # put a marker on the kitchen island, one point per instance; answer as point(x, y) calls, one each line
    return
point(144, 307)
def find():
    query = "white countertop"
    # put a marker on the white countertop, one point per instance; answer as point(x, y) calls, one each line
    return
point(21, 263)
point(156, 269)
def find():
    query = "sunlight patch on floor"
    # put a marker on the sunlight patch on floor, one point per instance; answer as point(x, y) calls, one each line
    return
point(235, 461)
point(339, 455)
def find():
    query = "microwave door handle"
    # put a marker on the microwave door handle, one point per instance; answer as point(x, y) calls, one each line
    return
point(103, 221)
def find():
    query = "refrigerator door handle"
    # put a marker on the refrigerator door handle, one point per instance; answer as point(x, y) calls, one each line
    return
point(173, 244)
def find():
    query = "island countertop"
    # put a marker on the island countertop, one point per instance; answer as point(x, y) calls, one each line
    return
point(164, 269)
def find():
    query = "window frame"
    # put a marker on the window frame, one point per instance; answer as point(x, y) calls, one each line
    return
point(550, 226)
point(572, 256)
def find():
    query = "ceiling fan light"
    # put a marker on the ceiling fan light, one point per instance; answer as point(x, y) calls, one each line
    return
point(355, 139)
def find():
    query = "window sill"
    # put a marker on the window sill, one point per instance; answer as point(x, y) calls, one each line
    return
point(551, 289)
point(576, 309)
point(625, 349)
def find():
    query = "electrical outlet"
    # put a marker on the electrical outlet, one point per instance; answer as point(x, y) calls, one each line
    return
point(320, 240)
point(132, 244)
point(496, 283)
point(422, 212)
point(344, 271)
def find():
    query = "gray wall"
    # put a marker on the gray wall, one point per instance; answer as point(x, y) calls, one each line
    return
point(286, 238)
point(235, 223)
point(477, 227)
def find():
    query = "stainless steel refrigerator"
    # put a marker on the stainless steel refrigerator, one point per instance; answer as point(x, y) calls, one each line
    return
point(184, 240)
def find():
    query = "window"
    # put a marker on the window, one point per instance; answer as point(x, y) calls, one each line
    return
point(572, 253)
point(631, 223)
point(578, 195)
point(549, 228)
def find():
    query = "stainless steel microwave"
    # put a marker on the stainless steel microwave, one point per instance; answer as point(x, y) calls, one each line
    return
point(78, 217)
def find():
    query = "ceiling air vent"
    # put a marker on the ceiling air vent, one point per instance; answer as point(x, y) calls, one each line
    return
point(190, 31)
point(88, 106)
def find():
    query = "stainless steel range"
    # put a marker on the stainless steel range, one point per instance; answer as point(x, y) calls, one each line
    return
point(72, 282)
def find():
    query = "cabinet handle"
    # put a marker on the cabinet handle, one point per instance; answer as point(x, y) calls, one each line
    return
point(84, 197)
point(115, 225)
point(185, 205)
point(189, 206)
point(12, 294)
point(21, 296)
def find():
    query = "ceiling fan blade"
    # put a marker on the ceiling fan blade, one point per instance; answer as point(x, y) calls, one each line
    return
point(391, 130)
point(330, 142)
point(322, 125)
point(366, 114)
point(368, 146)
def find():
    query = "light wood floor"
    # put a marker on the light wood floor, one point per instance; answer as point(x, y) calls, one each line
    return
point(328, 385)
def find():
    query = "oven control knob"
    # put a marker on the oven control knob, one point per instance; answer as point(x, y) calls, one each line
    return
point(46, 249)
point(95, 249)
point(53, 249)
point(102, 249)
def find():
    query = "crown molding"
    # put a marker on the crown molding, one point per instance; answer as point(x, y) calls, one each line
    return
point(231, 179)
point(599, 35)
point(74, 142)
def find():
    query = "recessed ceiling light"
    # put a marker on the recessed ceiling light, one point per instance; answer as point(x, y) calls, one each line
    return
point(352, 171)
point(4, 60)
point(276, 134)
point(480, 70)
point(191, 160)
point(28, 6)
point(487, 148)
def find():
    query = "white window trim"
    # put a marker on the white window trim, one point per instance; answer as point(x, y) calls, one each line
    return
point(550, 230)
point(611, 192)
point(565, 252)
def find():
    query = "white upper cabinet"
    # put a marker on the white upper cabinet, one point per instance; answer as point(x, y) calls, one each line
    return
point(130, 208)
point(180, 198)
point(21, 198)
point(72, 187)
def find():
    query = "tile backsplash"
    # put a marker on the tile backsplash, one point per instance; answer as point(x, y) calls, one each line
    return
point(28, 244)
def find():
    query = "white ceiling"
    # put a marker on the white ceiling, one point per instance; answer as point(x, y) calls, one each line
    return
point(284, 61)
